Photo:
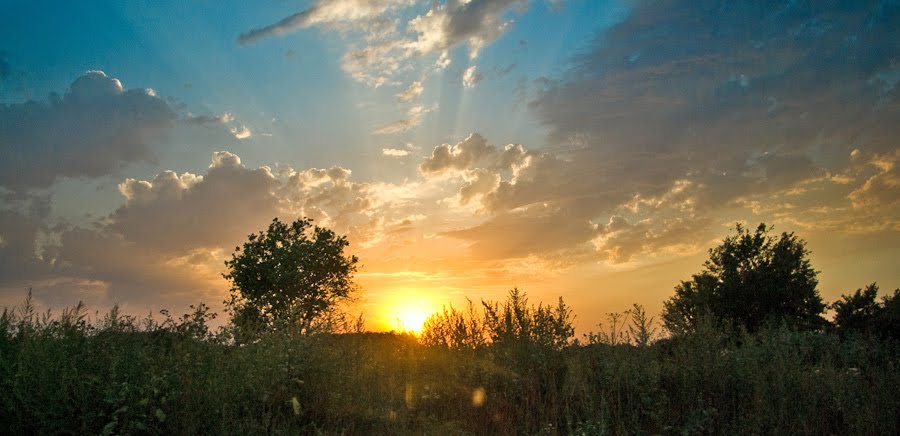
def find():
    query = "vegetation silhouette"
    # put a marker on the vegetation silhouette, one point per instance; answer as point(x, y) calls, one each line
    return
point(504, 368)
point(289, 276)
point(861, 313)
point(750, 280)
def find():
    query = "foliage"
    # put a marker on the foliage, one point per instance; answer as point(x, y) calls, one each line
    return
point(751, 280)
point(65, 374)
point(507, 324)
point(455, 329)
point(861, 313)
point(290, 275)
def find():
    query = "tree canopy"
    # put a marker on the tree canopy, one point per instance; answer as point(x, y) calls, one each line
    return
point(290, 274)
point(751, 279)
point(862, 313)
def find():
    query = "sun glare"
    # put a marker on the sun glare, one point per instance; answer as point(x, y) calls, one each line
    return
point(411, 320)
point(410, 313)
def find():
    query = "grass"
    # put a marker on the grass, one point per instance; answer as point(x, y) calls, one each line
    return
point(509, 369)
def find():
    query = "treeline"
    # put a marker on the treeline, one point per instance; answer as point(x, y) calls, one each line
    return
point(741, 348)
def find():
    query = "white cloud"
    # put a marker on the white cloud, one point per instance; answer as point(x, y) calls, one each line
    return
point(471, 77)
point(415, 89)
point(460, 156)
point(476, 23)
point(241, 132)
point(394, 152)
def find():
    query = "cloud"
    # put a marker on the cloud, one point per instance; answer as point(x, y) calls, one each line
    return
point(479, 182)
point(390, 39)
point(324, 12)
point(881, 191)
point(415, 89)
point(241, 132)
point(461, 156)
point(542, 231)
point(657, 117)
point(168, 239)
point(415, 115)
point(95, 128)
point(471, 77)
point(621, 241)
point(21, 222)
point(222, 118)
point(476, 23)
point(176, 213)
point(394, 152)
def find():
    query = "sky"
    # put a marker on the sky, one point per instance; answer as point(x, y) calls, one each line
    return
point(593, 150)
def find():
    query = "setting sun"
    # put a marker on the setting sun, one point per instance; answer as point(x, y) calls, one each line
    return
point(411, 319)
point(409, 312)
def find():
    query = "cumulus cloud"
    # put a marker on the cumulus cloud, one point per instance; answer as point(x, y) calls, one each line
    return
point(95, 128)
point(240, 132)
point(471, 77)
point(169, 237)
point(479, 182)
point(461, 156)
point(475, 22)
point(179, 212)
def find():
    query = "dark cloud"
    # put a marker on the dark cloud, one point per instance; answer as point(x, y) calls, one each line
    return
point(685, 109)
point(223, 118)
point(713, 80)
point(168, 240)
point(92, 130)
point(21, 219)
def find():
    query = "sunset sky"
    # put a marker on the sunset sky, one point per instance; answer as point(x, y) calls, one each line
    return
point(589, 149)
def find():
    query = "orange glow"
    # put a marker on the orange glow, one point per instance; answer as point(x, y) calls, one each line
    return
point(408, 311)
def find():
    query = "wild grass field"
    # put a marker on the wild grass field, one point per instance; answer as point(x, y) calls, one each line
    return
point(505, 368)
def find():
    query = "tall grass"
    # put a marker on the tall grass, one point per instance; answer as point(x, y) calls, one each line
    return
point(496, 368)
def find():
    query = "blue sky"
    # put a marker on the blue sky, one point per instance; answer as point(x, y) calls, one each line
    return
point(465, 147)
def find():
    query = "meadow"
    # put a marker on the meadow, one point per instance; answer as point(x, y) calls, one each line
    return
point(505, 368)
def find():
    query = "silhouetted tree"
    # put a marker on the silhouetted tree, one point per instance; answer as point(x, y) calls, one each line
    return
point(750, 279)
point(862, 313)
point(289, 275)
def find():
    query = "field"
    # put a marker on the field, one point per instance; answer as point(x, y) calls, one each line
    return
point(65, 374)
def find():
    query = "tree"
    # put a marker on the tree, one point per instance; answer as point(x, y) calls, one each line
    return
point(751, 279)
point(857, 312)
point(861, 313)
point(289, 275)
